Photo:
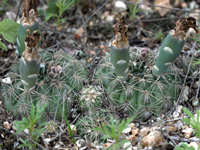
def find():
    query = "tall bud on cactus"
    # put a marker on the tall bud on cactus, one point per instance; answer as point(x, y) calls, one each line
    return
point(28, 21)
point(120, 50)
point(30, 61)
point(173, 44)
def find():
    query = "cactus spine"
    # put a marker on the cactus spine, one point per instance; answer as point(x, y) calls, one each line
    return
point(27, 22)
point(173, 44)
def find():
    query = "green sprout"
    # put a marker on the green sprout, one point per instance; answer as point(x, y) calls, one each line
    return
point(133, 9)
point(30, 125)
point(114, 130)
point(61, 7)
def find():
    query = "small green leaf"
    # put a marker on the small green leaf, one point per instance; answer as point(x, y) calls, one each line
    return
point(49, 16)
point(9, 28)
point(2, 46)
point(188, 112)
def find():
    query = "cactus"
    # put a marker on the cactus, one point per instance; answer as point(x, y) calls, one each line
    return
point(142, 94)
point(51, 127)
point(90, 97)
point(60, 78)
point(173, 44)
point(89, 121)
point(27, 22)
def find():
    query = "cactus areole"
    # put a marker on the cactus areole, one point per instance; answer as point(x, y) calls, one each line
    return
point(173, 44)
point(120, 50)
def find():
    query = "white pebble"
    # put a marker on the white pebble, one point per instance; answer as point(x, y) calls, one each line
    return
point(7, 80)
point(120, 6)
point(109, 18)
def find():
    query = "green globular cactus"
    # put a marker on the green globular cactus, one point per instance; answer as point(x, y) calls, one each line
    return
point(59, 79)
point(143, 94)
point(41, 77)
point(91, 120)
point(27, 22)
point(120, 50)
point(173, 44)
point(90, 97)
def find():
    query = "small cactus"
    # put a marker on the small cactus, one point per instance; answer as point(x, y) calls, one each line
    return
point(51, 127)
point(90, 97)
point(90, 121)
point(60, 76)
point(173, 44)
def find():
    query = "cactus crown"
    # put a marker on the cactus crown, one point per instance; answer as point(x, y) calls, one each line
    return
point(29, 11)
point(31, 40)
point(182, 27)
point(121, 38)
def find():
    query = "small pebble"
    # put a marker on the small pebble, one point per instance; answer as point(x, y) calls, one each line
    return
point(120, 6)
point(7, 125)
point(110, 18)
point(7, 80)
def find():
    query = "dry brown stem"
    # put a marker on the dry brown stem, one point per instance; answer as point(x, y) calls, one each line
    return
point(183, 25)
point(121, 38)
point(31, 41)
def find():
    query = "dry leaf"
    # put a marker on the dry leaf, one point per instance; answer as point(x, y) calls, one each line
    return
point(163, 3)
point(78, 33)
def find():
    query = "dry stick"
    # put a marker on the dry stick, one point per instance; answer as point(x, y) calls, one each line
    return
point(182, 90)
point(182, 139)
point(81, 15)
point(198, 88)
point(39, 145)
point(45, 143)
point(63, 130)
point(92, 75)
point(64, 49)
point(10, 133)
point(160, 19)
point(18, 10)
point(169, 137)
point(3, 102)
point(193, 78)
point(24, 135)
